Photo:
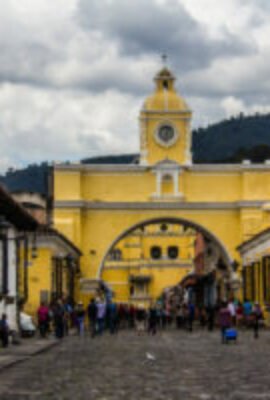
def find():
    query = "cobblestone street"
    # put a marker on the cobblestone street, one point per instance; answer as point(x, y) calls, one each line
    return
point(186, 366)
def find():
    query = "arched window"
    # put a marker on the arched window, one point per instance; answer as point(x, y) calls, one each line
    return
point(156, 252)
point(173, 252)
point(115, 255)
point(163, 227)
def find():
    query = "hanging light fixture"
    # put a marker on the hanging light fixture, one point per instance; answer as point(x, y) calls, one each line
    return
point(34, 250)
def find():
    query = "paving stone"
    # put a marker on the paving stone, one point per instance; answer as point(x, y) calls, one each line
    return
point(189, 366)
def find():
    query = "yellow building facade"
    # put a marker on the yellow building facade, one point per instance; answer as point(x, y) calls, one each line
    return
point(51, 271)
point(104, 207)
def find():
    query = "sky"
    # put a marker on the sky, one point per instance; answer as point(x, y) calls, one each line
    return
point(74, 73)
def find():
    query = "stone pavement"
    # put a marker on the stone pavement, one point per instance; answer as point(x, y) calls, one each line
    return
point(27, 348)
point(179, 366)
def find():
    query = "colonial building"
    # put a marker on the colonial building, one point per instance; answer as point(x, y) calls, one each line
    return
point(54, 263)
point(255, 259)
point(115, 213)
point(17, 232)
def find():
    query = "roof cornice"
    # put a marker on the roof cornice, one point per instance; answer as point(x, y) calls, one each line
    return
point(125, 168)
point(176, 205)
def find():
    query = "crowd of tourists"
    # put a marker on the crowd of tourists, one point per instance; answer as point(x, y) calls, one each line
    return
point(100, 315)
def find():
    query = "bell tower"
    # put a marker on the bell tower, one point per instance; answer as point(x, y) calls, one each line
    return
point(165, 124)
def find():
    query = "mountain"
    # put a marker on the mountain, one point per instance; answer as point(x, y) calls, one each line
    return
point(232, 140)
point(33, 178)
point(229, 141)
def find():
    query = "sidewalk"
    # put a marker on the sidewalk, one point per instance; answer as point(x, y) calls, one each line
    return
point(26, 349)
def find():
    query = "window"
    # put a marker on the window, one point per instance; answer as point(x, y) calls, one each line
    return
point(165, 84)
point(139, 289)
point(173, 252)
point(115, 255)
point(163, 227)
point(155, 252)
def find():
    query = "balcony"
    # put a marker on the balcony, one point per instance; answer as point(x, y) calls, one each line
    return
point(148, 263)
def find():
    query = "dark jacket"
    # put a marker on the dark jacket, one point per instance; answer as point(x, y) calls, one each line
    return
point(92, 311)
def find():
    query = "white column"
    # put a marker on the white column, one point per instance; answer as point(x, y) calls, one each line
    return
point(159, 179)
point(188, 155)
point(11, 309)
point(175, 183)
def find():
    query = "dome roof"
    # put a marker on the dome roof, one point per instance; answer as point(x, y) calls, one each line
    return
point(165, 97)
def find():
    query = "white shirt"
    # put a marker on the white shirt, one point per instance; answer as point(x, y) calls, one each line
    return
point(232, 309)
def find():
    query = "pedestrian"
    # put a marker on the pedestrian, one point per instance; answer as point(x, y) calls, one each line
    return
point(101, 314)
point(257, 316)
point(58, 316)
point(239, 314)
point(140, 319)
point(210, 318)
point(112, 316)
point(131, 316)
point(163, 318)
point(247, 312)
point(179, 316)
point(152, 320)
point(43, 319)
point(92, 317)
point(232, 309)
point(191, 315)
point(202, 316)
point(68, 316)
point(80, 314)
point(4, 330)
point(224, 320)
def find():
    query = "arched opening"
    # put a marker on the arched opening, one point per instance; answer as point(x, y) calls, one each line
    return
point(161, 254)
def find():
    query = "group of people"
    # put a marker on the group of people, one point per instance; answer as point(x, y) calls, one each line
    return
point(59, 317)
point(237, 314)
point(100, 315)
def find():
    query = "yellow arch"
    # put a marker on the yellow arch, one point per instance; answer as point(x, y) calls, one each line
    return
point(181, 221)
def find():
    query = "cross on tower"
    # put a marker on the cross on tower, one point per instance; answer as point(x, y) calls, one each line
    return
point(164, 58)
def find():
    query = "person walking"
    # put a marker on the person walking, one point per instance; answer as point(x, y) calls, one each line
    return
point(140, 319)
point(191, 316)
point(92, 317)
point(232, 309)
point(112, 316)
point(43, 319)
point(80, 314)
point(101, 314)
point(58, 316)
point(179, 316)
point(224, 320)
point(68, 316)
point(152, 320)
point(247, 312)
point(4, 330)
point(211, 318)
point(257, 316)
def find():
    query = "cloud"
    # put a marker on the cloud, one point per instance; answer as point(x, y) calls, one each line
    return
point(150, 27)
point(74, 74)
point(56, 125)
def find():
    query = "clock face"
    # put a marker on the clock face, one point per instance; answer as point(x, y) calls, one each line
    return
point(166, 134)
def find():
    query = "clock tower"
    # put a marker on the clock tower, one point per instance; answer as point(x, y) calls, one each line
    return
point(165, 124)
